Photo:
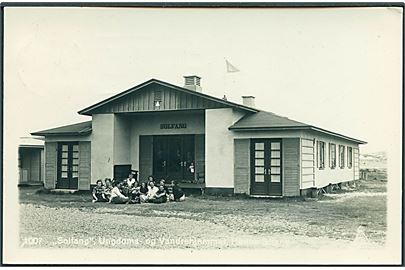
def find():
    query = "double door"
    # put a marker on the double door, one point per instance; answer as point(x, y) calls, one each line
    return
point(266, 164)
point(68, 165)
point(173, 157)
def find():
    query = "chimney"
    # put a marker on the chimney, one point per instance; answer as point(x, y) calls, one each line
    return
point(249, 101)
point(192, 83)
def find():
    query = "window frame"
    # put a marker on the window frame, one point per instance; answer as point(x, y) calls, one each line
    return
point(320, 154)
point(342, 156)
point(349, 157)
point(332, 158)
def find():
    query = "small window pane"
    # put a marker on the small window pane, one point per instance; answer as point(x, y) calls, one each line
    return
point(64, 161)
point(64, 147)
point(259, 154)
point(259, 170)
point(64, 175)
point(75, 168)
point(75, 161)
point(64, 168)
point(275, 154)
point(259, 178)
point(64, 154)
point(275, 178)
point(75, 147)
point(75, 154)
point(75, 174)
point(275, 170)
point(259, 146)
point(259, 162)
point(275, 146)
point(275, 162)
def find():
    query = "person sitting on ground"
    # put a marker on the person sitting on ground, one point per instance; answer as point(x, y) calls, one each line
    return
point(161, 195)
point(116, 196)
point(98, 192)
point(108, 188)
point(169, 190)
point(151, 179)
point(178, 193)
point(143, 192)
point(152, 189)
point(134, 196)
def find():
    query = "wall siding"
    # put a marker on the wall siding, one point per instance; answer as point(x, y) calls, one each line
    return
point(242, 166)
point(200, 157)
point(84, 165)
point(50, 164)
point(291, 167)
point(145, 157)
point(170, 99)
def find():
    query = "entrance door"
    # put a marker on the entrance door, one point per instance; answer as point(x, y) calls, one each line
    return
point(68, 165)
point(173, 157)
point(266, 167)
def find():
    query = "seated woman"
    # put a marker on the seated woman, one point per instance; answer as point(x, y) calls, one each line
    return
point(178, 194)
point(152, 190)
point(98, 192)
point(161, 195)
point(143, 192)
point(108, 188)
point(134, 195)
point(116, 196)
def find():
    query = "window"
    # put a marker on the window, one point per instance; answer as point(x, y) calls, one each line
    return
point(157, 99)
point(341, 156)
point(321, 154)
point(332, 155)
point(349, 157)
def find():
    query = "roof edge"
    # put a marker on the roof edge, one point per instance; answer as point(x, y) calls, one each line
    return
point(86, 111)
point(298, 128)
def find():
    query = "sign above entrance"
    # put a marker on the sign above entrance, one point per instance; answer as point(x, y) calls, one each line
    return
point(173, 126)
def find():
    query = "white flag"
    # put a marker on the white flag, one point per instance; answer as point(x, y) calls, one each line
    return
point(230, 67)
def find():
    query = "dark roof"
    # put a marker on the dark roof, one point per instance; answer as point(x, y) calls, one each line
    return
point(79, 129)
point(269, 121)
point(89, 110)
point(265, 119)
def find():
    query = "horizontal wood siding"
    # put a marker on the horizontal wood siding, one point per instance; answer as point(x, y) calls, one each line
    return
point(307, 163)
point(51, 156)
point(170, 99)
point(291, 166)
point(145, 157)
point(356, 163)
point(200, 158)
point(242, 166)
point(84, 165)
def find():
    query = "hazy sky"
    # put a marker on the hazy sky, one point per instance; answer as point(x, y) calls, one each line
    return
point(339, 69)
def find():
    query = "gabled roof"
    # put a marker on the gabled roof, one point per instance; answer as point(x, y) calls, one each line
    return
point(79, 129)
point(269, 121)
point(91, 109)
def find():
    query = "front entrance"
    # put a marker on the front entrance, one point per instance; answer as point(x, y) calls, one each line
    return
point(68, 165)
point(266, 176)
point(173, 157)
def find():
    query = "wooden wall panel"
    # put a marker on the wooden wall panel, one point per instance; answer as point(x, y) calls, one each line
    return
point(242, 166)
point(51, 156)
point(84, 165)
point(291, 167)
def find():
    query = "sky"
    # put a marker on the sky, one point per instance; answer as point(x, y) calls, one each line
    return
point(338, 69)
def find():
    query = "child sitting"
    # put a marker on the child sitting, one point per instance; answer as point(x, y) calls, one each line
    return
point(99, 192)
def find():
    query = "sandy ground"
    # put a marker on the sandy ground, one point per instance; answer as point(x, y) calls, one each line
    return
point(346, 219)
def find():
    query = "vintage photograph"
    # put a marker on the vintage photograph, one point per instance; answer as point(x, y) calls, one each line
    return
point(202, 135)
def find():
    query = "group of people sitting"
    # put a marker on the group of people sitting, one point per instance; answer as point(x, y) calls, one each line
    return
point(132, 191)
